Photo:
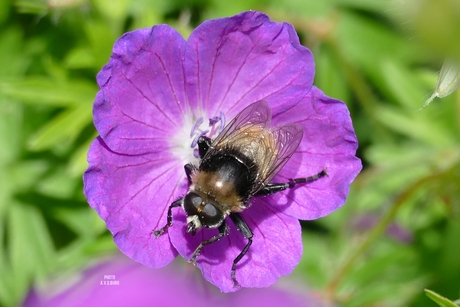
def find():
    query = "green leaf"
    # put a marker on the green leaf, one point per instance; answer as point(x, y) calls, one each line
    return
point(31, 251)
point(63, 128)
point(101, 39)
point(329, 78)
point(31, 7)
point(377, 6)
point(301, 8)
point(12, 60)
point(365, 42)
point(413, 126)
point(402, 85)
point(82, 57)
point(4, 11)
point(147, 13)
point(78, 162)
point(44, 91)
point(116, 11)
point(440, 300)
point(85, 223)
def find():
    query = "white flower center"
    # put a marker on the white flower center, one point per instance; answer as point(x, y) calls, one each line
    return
point(184, 143)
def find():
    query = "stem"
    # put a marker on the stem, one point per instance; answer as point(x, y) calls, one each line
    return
point(331, 289)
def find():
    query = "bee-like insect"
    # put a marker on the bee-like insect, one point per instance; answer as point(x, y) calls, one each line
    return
point(236, 166)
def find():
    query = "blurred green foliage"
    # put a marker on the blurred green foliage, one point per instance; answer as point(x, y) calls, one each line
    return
point(381, 57)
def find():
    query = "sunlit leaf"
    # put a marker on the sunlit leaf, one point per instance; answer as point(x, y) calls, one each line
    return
point(63, 128)
point(329, 77)
point(30, 247)
point(101, 39)
point(12, 59)
point(413, 127)
point(440, 300)
point(78, 162)
point(43, 91)
point(80, 58)
point(116, 11)
point(82, 222)
point(402, 85)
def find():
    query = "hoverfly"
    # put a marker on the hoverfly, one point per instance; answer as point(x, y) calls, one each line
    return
point(236, 166)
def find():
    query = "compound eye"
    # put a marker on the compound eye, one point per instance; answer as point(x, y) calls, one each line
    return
point(191, 203)
point(210, 212)
point(211, 216)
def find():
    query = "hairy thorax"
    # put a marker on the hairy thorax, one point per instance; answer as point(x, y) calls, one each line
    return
point(219, 189)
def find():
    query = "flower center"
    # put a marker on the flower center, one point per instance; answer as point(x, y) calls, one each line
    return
point(215, 126)
point(184, 142)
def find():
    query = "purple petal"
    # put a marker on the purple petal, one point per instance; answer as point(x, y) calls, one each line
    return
point(142, 98)
point(329, 142)
point(275, 251)
point(131, 193)
point(232, 62)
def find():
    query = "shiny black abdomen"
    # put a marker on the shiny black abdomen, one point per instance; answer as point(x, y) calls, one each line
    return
point(233, 167)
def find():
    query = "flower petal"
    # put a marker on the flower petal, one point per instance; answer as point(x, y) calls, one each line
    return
point(232, 62)
point(275, 251)
point(329, 142)
point(142, 97)
point(131, 193)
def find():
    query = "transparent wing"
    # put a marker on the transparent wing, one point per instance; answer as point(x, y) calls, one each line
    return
point(287, 139)
point(269, 148)
point(257, 114)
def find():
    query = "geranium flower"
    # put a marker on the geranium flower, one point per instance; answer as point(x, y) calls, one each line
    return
point(159, 92)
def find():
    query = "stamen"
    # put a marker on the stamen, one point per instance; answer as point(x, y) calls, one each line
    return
point(214, 120)
point(196, 133)
point(197, 124)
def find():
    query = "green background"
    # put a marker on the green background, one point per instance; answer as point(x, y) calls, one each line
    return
point(400, 229)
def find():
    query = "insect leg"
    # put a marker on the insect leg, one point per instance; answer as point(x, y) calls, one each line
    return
point(247, 233)
point(223, 231)
point(273, 188)
point(203, 145)
point(175, 204)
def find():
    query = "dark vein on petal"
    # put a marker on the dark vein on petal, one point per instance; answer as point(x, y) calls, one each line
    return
point(147, 185)
point(218, 55)
point(143, 138)
point(309, 189)
point(286, 226)
point(238, 72)
point(148, 99)
point(170, 84)
point(134, 120)
point(147, 161)
point(184, 81)
point(200, 95)
point(170, 199)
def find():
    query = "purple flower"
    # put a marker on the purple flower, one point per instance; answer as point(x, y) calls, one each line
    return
point(121, 282)
point(159, 93)
point(363, 223)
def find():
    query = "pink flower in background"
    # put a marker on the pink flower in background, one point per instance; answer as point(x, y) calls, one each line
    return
point(158, 92)
point(122, 282)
